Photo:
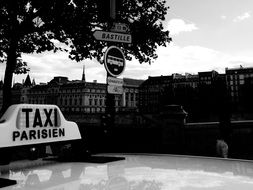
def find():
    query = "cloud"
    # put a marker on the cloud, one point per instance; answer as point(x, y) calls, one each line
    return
point(242, 17)
point(171, 59)
point(192, 59)
point(223, 17)
point(176, 26)
point(44, 67)
point(176, 59)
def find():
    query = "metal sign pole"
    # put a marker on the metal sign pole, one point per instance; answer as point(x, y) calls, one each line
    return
point(108, 118)
point(113, 9)
point(110, 97)
point(114, 62)
point(110, 107)
point(110, 100)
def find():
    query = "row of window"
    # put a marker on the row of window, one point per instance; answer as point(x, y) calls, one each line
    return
point(130, 100)
point(71, 101)
point(131, 97)
point(96, 96)
point(92, 102)
point(63, 91)
point(85, 110)
point(36, 101)
point(96, 102)
point(205, 78)
point(240, 76)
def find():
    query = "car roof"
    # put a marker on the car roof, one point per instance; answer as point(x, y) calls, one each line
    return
point(131, 171)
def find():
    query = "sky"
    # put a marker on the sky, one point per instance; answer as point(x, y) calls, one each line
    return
point(206, 35)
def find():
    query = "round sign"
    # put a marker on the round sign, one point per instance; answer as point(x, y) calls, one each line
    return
point(114, 61)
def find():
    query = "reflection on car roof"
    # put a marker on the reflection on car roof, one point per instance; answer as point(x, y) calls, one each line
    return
point(133, 172)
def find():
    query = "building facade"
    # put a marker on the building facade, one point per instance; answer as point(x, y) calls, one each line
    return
point(200, 94)
point(193, 91)
point(156, 92)
point(152, 91)
point(236, 78)
point(207, 77)
point(76, 96)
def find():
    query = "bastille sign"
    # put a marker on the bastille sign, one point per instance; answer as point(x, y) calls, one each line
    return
point(112, 36)
point(114, 61)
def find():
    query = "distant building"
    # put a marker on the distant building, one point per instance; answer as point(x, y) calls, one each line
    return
point(195, 92)
point(155, 92)
point(130, 98)
point(16, 93)
point(151, 93)
point(77, 96)
point(207, 77)
point(185, 80)
point(23, 88)
point(236, 78)
point(175, 89)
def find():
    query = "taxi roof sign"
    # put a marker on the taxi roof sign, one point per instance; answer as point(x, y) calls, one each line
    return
point(26, 124)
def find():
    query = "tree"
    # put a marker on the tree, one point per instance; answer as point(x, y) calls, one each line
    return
point(36, 26)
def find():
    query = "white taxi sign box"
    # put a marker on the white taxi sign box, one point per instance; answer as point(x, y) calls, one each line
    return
point(26, 124)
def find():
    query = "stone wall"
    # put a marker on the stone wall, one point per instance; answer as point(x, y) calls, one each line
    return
point(166, 133)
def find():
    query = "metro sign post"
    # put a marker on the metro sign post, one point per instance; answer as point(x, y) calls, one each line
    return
point(114, 62)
